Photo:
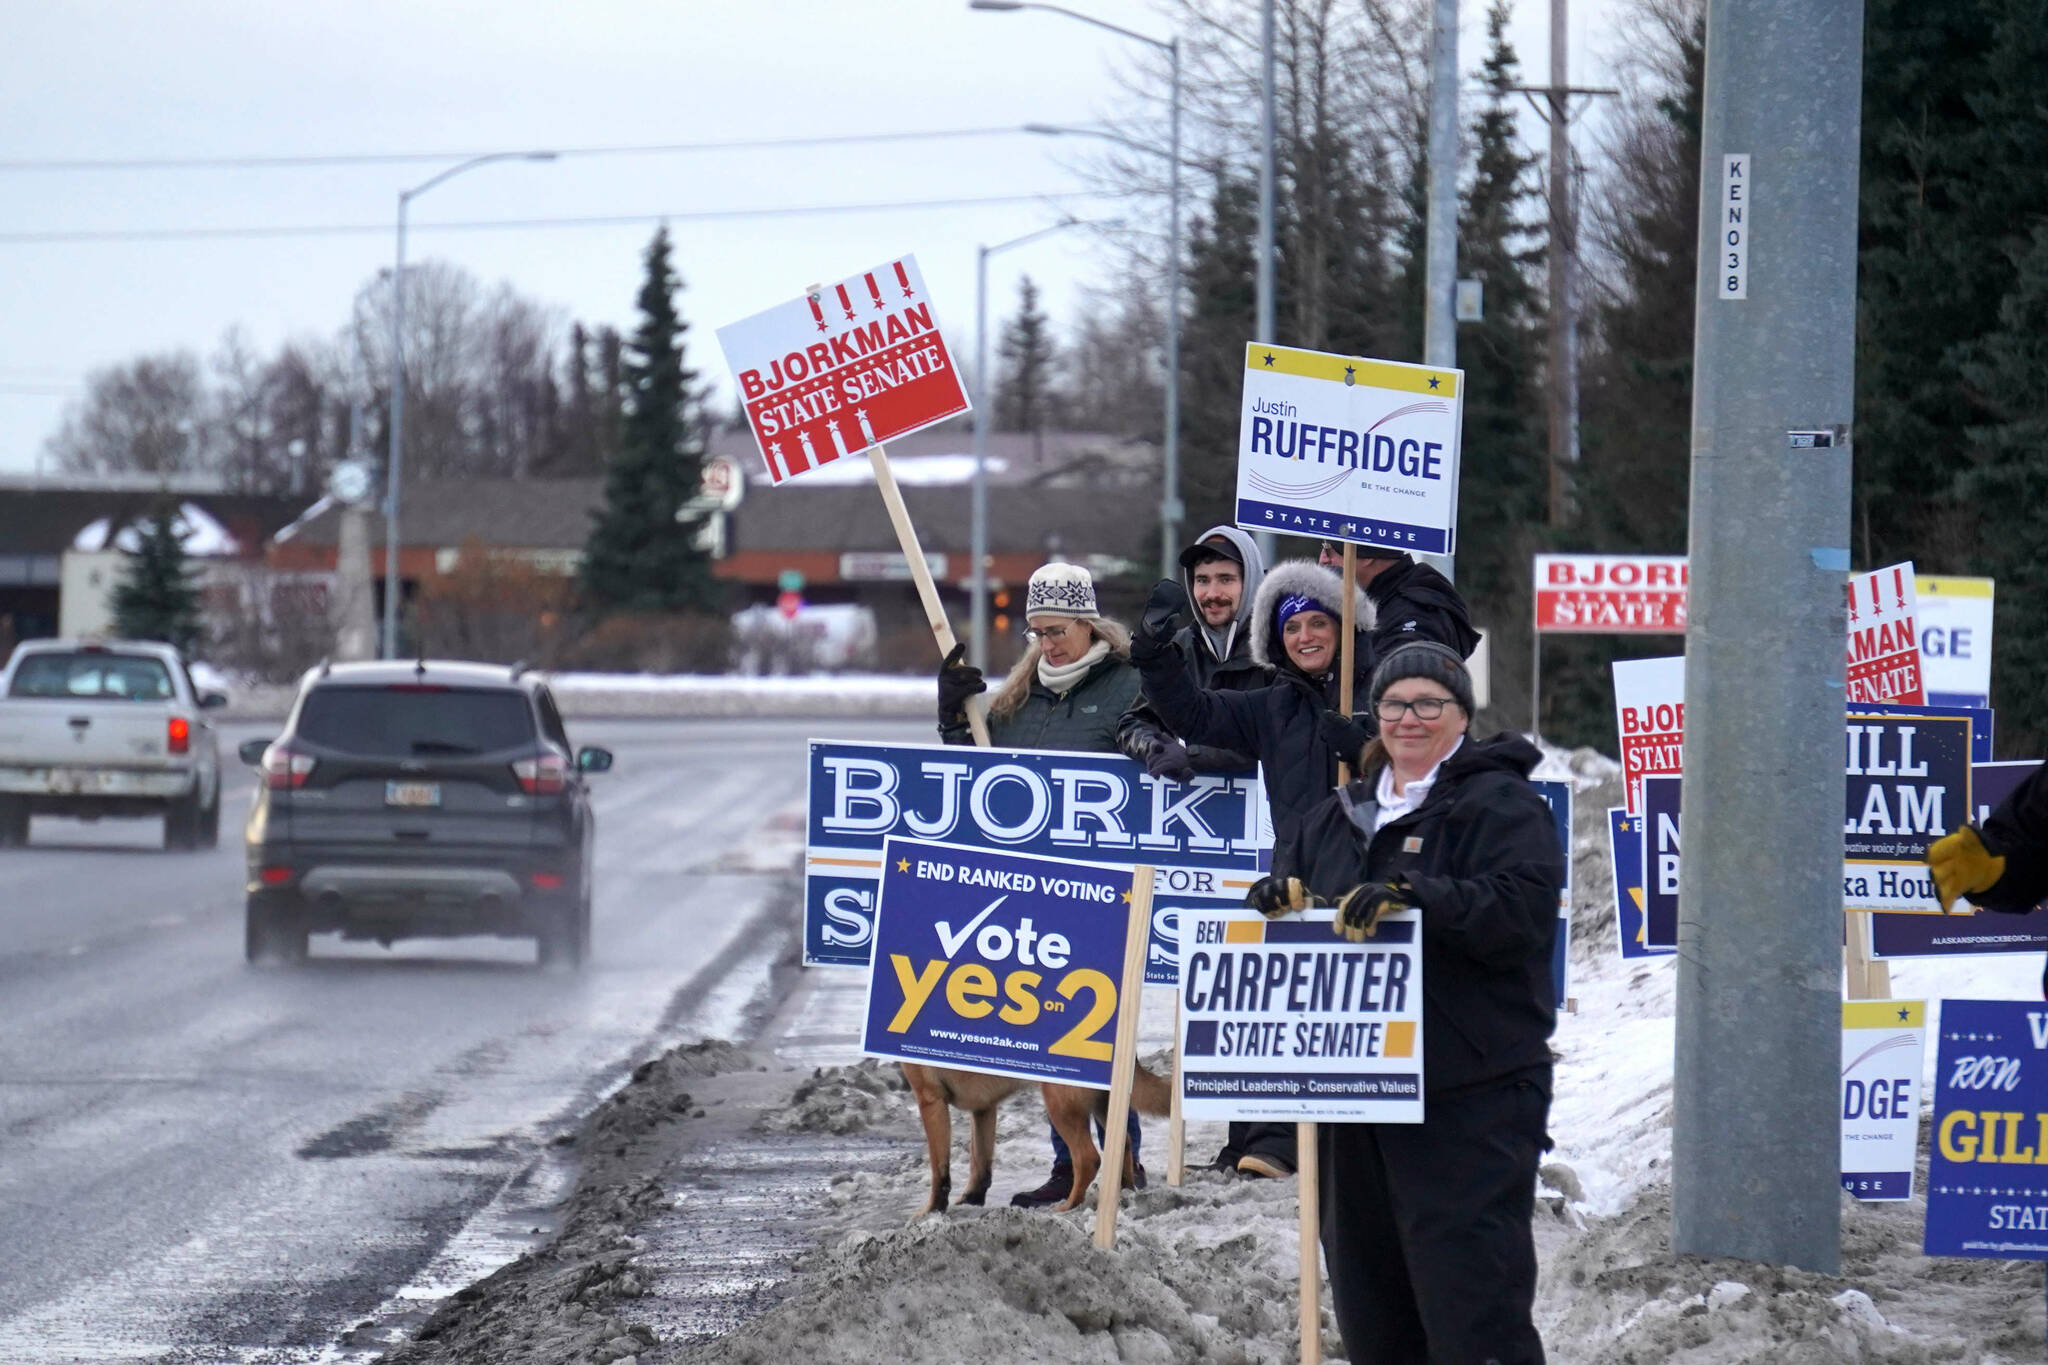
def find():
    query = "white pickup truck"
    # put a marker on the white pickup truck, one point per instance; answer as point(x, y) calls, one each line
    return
point(115, 727)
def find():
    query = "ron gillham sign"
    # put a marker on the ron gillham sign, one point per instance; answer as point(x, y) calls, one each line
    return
point(1884, 640)
point(1611, 594)
point(854, 365)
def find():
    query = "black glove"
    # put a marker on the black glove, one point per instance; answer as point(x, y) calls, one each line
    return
point(1163, 610)
point(1343, 736)
point(1360, 909)
point(1272, 896)
point(1168, 757)
point(957, 682)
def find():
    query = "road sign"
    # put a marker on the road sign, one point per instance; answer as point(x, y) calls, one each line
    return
point(1349, 449)
point(1611, 594)
point(853, 365)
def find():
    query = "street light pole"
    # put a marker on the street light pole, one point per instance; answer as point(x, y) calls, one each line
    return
point(1172, 511)
point(392, 583)
point(978, 537)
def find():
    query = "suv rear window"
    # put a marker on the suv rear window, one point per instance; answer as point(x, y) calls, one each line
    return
point(95, 674)
point(403, 722)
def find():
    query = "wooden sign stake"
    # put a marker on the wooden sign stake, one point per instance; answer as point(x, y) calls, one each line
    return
point(1868, 979)
point(1123, 1058)
point(1307, 1156)
point(1176, 1124)
point(921, 574)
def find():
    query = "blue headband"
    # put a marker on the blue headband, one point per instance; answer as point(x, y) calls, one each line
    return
point(1291, 607)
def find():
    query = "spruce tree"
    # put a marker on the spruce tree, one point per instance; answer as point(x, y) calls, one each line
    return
point(1023, 397)
point(639, 557)
point(155, 598)
point(1222, 287)
point(1502, 478)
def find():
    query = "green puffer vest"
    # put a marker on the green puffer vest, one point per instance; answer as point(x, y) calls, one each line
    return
point(1081, 720)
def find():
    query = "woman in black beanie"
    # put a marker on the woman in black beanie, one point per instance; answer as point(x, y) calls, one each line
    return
point(1426, 1226)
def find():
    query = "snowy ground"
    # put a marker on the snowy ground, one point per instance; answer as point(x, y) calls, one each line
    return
point(1206, 1272)
point(585, 696)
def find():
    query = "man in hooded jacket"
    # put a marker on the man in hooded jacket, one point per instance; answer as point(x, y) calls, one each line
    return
point(1216, 647)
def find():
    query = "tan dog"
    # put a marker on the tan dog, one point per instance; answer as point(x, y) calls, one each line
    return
point(940, 1089)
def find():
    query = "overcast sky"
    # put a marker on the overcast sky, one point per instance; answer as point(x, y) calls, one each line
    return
point(181, 79)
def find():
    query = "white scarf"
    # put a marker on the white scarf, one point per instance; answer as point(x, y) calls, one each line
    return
point(1393, 805)
point(1060, 677)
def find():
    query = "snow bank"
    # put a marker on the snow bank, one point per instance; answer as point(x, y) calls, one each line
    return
point(593, 695)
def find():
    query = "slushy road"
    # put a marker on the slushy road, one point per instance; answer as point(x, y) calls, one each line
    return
point(201, 1160)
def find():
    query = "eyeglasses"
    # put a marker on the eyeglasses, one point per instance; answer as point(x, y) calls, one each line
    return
point(1425, 708)
point(1056, 634)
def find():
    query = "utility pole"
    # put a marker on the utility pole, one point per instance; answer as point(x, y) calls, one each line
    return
point(1263, 326)
point(1440, 227)
point(1755, 1126)
point(1562, 381)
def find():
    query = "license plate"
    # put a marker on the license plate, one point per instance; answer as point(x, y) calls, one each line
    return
point(73, 781)
point(412, 793)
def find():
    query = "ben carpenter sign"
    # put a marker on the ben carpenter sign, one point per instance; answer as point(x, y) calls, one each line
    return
point(1282, 1019)
point(854, 365)
point(1349, 449)
point(997, 963)
point(1204, 837)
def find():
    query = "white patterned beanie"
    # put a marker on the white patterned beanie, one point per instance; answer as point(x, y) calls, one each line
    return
point(1061, 590)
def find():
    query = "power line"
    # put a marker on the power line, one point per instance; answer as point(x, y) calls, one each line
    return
point(518, 224)
point(194, 163)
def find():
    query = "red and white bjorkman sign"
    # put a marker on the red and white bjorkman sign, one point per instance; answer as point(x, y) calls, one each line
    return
point(1611, 594)
point(1649, 712)
point(1884, 637)
point(854, 365)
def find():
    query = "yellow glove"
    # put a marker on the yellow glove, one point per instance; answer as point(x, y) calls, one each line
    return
point(1275, 896)
point(1361, 908)
point(1962, 865)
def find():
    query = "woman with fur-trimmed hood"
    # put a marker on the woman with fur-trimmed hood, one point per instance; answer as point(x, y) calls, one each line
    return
point(1295, 621)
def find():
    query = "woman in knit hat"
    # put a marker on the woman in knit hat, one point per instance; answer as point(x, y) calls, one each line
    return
point(1448, 825)
point(1069, 691)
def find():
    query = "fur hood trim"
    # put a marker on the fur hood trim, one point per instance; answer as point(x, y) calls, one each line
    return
point(1300, 578)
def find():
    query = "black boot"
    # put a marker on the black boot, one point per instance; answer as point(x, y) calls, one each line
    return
point(1055, 1190)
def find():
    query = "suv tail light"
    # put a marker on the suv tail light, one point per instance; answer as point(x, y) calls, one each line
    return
point(285, 769)
point(541, 776)
point(178, 735)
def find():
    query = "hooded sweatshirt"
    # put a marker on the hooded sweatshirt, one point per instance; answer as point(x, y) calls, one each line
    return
point(1217, 658)
point(1223, 640)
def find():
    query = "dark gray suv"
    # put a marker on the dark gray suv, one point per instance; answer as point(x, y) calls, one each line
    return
point(421, 799)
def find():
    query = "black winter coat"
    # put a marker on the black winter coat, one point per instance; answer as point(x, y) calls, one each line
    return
point(1274, 724)
point(1486, 871)
point(2018, 831)
point(1143, 724)
point(1415, 602)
